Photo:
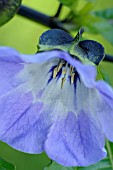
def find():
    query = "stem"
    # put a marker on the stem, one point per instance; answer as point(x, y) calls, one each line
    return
point(109, 153)
point(68, 17)
point(39, 17)
point(58, 11)
point(108, 58)
point(48, 21)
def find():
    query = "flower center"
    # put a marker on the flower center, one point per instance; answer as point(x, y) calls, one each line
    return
point(66, 69)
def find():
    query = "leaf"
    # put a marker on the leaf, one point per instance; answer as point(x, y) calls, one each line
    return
point(104, 28)
point(8, 8)
point(91, 0)
point(106, 13)
point(69, 3)
point(55, 166)
point(87, 8)
point(102, 165)
point(4, 165)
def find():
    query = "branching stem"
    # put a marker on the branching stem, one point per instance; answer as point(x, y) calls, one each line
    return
point(58, 11)
point(39, 17)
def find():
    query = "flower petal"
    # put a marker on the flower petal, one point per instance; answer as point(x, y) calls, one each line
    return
point(31, 106)
point(87, 72)
point(105, 91)
point(74, 141)
point(76, 138)
point(23, 125)
point(28, 110)
point(105, 108)
point(9, 66)
point(20, 123)
point(9, 55)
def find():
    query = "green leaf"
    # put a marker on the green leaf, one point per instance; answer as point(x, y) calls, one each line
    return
point(102, 165)
point(55, 166)
point(87, 8)
point(4, 165)
point(69, 3)
point(8, 8)
point(91, 0)
point(104, 28)
point(106, 13)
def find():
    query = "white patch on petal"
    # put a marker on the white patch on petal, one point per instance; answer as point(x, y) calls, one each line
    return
point(86, 98)
point(58, 100)
point(36, 76)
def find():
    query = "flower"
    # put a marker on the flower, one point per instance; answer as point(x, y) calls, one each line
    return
point(52, 102)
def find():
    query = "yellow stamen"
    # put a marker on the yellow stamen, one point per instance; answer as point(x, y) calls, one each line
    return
point(59, 66)
point(62, 83)
point(71, 70)
point(72, 78)
point(57, 69)
point(55, 73)
point(64, 72)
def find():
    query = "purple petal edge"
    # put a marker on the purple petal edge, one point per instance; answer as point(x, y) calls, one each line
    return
point(87, 72)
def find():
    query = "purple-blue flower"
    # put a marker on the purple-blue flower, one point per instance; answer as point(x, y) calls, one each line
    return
point(52, 102)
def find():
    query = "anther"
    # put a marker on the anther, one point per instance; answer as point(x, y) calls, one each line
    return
point(72, 78)
point(62, 83)
point(71, 70)
point(59, 66)
point(57, 69)
point(55, 72)
point(64, 72)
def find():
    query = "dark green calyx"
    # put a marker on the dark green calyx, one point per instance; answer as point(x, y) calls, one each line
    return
point(86, 51)
point(94, 50)
point(8, 9)
point(55, 37)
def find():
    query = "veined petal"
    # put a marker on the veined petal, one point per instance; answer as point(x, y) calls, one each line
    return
point(10, 65)
point(20, 123)
point(34, 108)
point(28, 110)
point(105, 108)
point(9, 55)
point(87, 72)
point(23, 125)
point(71, 141)
point(105, 91)
point(76, 139)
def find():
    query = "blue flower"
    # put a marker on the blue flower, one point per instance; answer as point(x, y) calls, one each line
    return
point(52, 102)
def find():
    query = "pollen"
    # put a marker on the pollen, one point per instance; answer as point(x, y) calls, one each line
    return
point(65, 67)
point(55, 72)
point(72, 78)
point(62, 82)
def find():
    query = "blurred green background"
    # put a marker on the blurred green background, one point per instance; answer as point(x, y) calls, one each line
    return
point(23, 34)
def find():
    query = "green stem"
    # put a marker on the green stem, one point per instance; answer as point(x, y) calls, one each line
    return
point(109, 153)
